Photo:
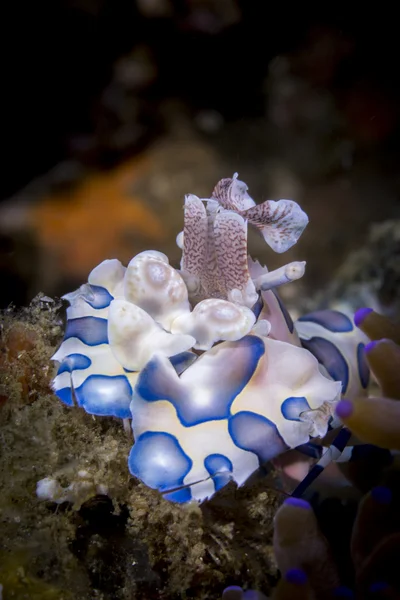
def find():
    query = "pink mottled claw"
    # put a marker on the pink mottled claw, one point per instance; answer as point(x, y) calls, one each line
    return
point(194, 236)
point(232, 194)
point(230, 234)
point(281, 222)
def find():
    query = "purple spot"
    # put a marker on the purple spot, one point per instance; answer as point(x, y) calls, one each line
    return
point(293, 406)
point(333, 320)
point(344, 409)
point(240, 359)
point(159, 461)
point(220, 469)
point(296, 576)
point(179, 496)
point(257, 434)
point(233, 592)
point(361, 315)
point(65, 395)
point(98, 297)
point(105, 395)
point(182, 361)
point(371, 345)
point(330, 357)
point(257, 307)
point(92, 331)
point(298, 503)
point(74, 362)
point(382, 494)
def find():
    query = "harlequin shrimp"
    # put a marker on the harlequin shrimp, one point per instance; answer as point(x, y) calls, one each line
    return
point(205, 359)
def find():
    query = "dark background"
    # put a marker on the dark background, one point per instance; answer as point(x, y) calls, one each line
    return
point(215, 62)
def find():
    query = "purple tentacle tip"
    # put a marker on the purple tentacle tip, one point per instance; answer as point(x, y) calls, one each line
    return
point(233, 592)
point(344, 409)
point(296, 576)
point(382, 494)
point(297, 502)
point(370, 346)
point(360, 315)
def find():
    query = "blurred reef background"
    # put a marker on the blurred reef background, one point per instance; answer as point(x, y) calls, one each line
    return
point(113, 110)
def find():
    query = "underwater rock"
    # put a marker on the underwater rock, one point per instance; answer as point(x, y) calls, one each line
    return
point(22, 345)
point(133, 543)
point(369, 276)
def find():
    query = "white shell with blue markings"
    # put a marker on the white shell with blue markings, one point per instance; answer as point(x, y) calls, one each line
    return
point(106, 342)
point(89, 372)
point(339, 346)
point(234, 408)
point(200, 421)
